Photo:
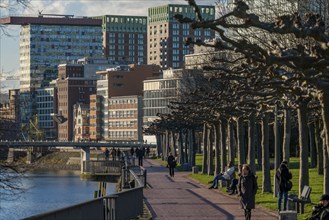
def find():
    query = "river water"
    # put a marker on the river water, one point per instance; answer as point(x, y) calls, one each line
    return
point(49, 190)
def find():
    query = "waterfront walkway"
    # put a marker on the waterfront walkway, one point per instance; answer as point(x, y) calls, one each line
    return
point(182, 198)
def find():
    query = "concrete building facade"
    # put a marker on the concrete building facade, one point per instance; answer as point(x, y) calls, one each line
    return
point(121, 81)
point(166, 36)
point(125, 118)
point(125, 38)
point(73, 88)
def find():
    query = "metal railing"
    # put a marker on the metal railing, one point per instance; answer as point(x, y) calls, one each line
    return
point(126, 204)
point(102, 167)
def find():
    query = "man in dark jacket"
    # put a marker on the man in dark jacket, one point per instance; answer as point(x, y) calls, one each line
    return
point(321, 211)
point(283, 176)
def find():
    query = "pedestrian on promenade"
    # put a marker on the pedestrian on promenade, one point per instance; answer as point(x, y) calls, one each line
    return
point(321, 210)
point(234, 183)
point(223, 176)
point(139, 155)
point(148, 152)
point(119, 154)
point(113, 153)
point(107, 154)
point(171, 164)
point(283, 176)
point(247, 188)
point(132, 151)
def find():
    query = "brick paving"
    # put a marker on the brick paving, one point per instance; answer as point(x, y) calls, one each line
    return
point(182, 198)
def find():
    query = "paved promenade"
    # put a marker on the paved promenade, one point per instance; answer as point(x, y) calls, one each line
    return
point(182, 198)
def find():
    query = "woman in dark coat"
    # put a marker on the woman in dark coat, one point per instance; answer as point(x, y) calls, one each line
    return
point(247, 188)
point(171, 164)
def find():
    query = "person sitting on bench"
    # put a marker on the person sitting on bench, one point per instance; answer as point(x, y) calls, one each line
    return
point(321, 210)
point(223, 176)
point(232, 189)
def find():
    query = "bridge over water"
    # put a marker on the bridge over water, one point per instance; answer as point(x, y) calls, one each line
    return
point(85, 162)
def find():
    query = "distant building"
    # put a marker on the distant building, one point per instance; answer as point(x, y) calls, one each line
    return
point(45, 42)
point(125, 38)
point(46, 101)
point(125, 118)
point(72, 88)
point(166, 36)
point(81, 122)
point(9, 117)
point(121, 81)
point(158, 93)
point(95, 119)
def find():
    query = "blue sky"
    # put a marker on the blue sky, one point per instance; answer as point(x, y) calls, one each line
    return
point(9, 45)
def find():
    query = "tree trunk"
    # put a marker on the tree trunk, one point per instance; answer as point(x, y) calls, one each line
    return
point(159, 149)
point(181, 147)
point(186, 147)
point(326, 170)
point(231, 145)
point(223, 160)
point(266, 184)
point(259, 145)
point(303, 144)
point(319, 147)
point(194, 147)
point(217, 131)
point(251, 138)
point(287, 135)
point(324, 100)
point(174, 148)
point(205, 149)
point(276, 149)
point(312, 145)
point(163, 146)
point(240, 138)
point(210, 151)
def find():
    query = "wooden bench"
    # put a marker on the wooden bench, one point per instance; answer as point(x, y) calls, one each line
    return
point(304, 199)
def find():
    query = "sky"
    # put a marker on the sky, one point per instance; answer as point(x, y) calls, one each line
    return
point(9, 45)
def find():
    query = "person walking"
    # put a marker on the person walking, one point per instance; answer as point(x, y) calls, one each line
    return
point(171, 164)
point(139, 155)
point(223, 176)
point(321, 210)
point(107, 154)
point(247, 188)
point(283, 175)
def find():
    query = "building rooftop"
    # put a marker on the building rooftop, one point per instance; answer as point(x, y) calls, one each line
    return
point(51, 20)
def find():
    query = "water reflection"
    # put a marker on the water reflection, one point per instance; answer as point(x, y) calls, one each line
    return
point(49, 190)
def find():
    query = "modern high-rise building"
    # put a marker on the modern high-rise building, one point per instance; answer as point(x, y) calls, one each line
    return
point(125, 38)
point(45, 42)
point(166, 36)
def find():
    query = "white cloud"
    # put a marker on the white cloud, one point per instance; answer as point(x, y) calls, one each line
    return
point(101, 7)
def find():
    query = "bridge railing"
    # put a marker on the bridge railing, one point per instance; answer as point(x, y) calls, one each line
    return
point(102, 167)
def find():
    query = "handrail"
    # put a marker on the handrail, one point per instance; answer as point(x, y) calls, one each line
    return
point(111, 207)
